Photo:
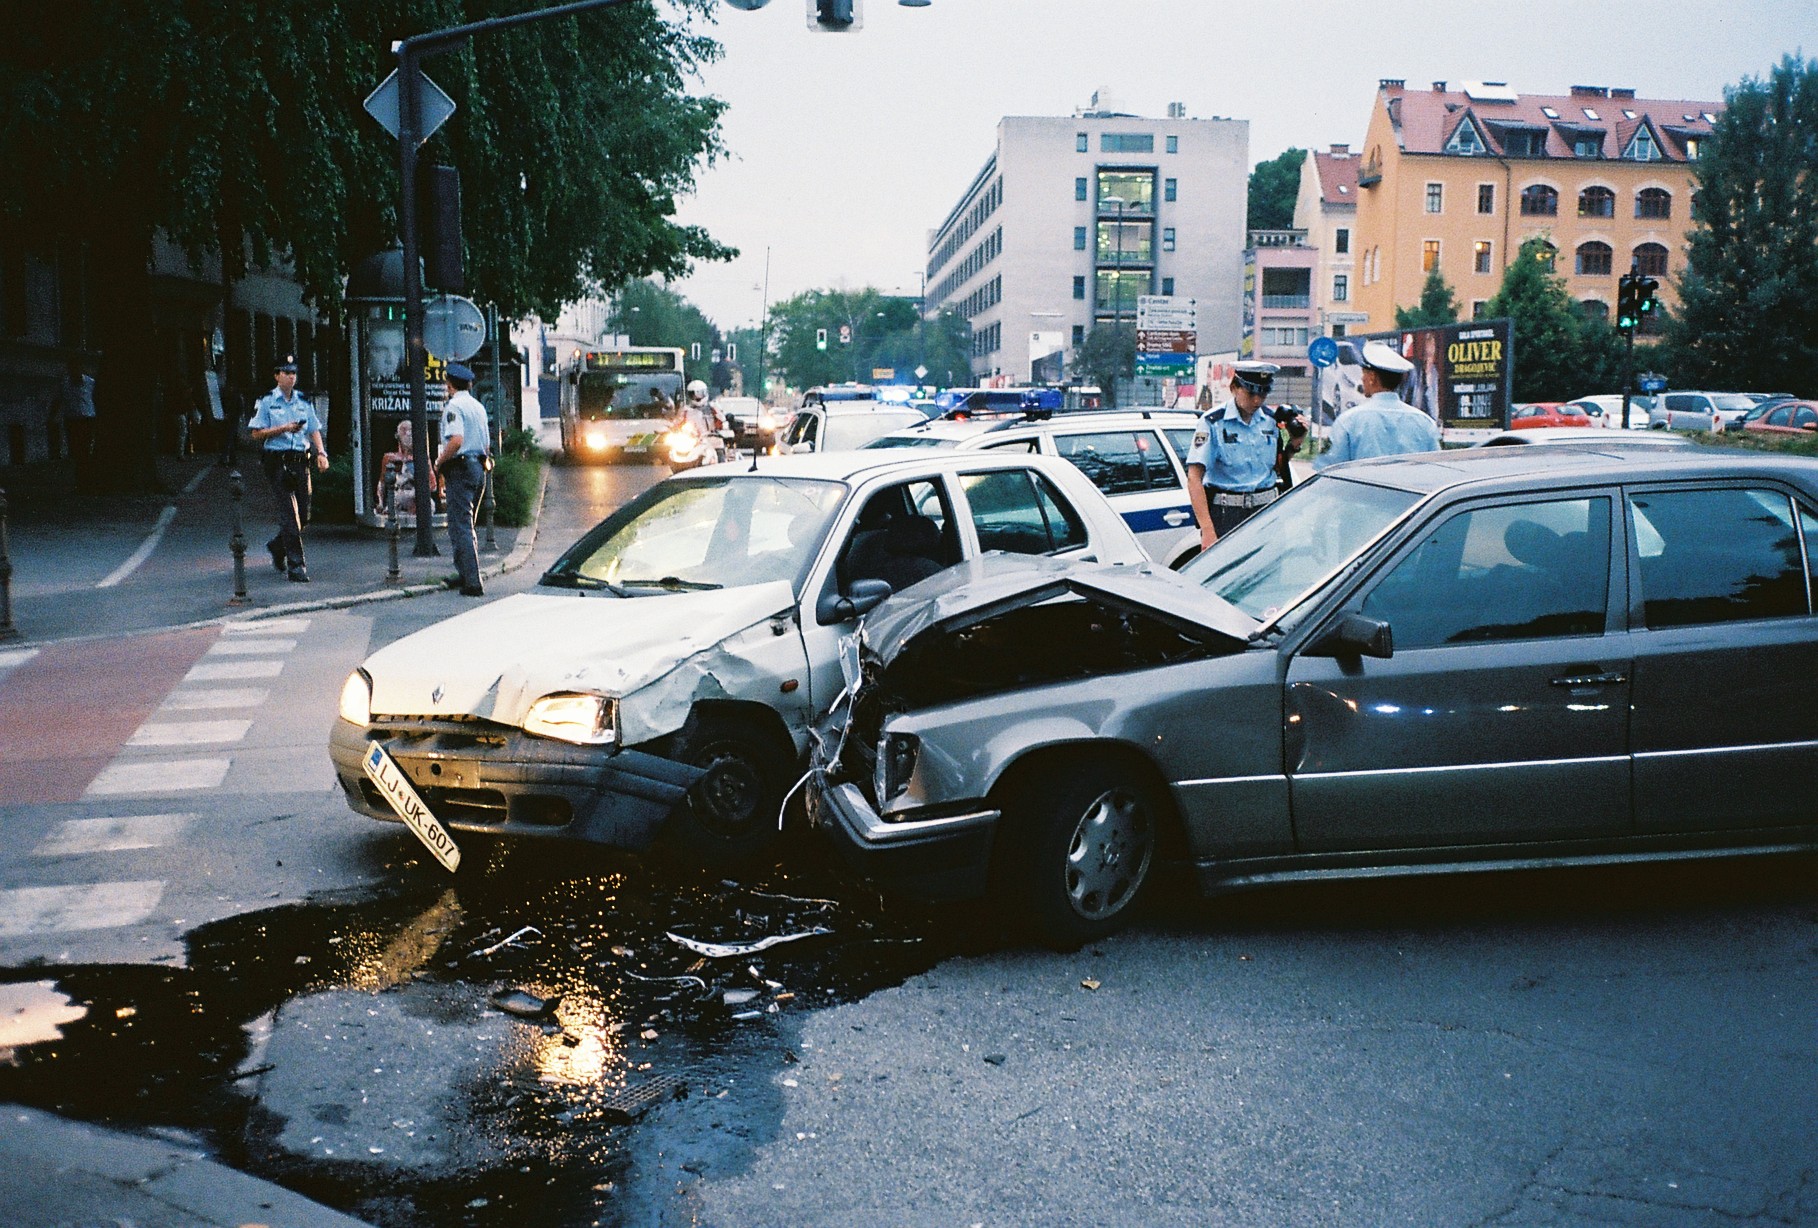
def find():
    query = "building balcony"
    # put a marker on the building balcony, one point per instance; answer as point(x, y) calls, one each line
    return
point(1287, 302)
point(1278, 238)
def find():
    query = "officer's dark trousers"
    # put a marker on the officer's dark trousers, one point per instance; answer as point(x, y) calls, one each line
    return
point(465, 479)
point(1226, 518)
point(288, 473)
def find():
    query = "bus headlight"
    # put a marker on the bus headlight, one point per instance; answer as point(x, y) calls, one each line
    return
point(585, 720)
point(356, 698)
point(595, 440)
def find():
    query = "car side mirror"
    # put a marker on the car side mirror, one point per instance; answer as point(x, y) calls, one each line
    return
point(1356, 635)
point(863, 597)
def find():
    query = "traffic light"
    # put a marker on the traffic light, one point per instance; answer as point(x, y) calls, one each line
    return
point(439, 227)
point(1645, 303)
point(1628, 302)
point(820, 338)
point(835, 16)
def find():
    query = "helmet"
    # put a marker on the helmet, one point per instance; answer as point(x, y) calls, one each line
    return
point(697, 388)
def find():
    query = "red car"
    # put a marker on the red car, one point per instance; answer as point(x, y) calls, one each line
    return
point(1547, 413)
point(1785, 418)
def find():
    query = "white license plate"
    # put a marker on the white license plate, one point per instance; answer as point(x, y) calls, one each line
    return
point(384, 772)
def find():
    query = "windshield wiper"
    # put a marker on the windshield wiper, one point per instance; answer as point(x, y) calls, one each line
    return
point(673, 583)
point(574, 579)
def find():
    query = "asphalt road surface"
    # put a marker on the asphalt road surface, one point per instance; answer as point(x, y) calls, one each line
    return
point(302, 991)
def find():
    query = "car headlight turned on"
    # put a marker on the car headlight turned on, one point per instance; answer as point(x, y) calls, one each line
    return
point(356, 698)
point(595, 440)
point(895, 765)
point(585, 720)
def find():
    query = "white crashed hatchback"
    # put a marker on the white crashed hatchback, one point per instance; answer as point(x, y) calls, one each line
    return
point(662, 681)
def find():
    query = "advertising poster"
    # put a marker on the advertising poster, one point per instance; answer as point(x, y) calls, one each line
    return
point(385, 396)
point(1462, 378)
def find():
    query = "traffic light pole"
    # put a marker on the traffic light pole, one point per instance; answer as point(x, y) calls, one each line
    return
point(411, 51)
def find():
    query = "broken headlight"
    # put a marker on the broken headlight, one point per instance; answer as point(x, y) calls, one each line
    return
point(586, 720)
point(895, 765)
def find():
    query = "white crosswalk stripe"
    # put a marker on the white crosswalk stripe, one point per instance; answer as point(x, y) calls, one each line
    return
point(248, 647)
point(225, 697)
point(158, 776)
point(188, 733)
point(75, 837)
point(222, 671)
point(81, 906)
point(269, 626)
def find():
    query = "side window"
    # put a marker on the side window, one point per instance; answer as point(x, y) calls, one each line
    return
point(1017, 511)
point(1110, 459)
point(1031, 445)
point(1180, 441)
point(1717, 556)
point(903, 534)
point(1521, 571)
point(802, 430)
point(1678, 401)
point(1162, 474)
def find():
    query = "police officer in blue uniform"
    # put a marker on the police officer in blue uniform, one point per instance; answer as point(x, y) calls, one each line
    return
point(1231, 465)
point(1382, 424)
point(285, 427)
point(463, 463)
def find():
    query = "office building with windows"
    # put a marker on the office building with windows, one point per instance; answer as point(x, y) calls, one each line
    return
point(1073, 218)
point(1326, 210)
point(1458, 179)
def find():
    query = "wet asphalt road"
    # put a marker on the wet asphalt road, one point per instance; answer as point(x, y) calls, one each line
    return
point(1630, 1046)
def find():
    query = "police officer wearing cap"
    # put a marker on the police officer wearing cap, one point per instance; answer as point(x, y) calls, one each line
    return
point(1231, 465)
point(463, 463)
point(1382, 424)
point(285, 427)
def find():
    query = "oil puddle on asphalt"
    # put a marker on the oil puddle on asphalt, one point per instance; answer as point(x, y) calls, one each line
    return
point(477, 1049)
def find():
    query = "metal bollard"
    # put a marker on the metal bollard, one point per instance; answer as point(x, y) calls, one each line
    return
point(491, 544)
point(391, 524)
point(237, 486)
point(7, 630)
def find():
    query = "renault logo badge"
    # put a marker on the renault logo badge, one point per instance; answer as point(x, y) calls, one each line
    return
point(435, 696)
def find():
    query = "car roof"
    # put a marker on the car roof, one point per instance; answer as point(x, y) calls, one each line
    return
point(860, 464)
point(968, 428)
point(1586, 436)
point(1613, 460)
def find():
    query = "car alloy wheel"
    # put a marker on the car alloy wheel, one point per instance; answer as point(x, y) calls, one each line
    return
point(1108, 859)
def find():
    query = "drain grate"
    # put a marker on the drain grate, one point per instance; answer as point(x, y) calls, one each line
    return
point(627, 1104)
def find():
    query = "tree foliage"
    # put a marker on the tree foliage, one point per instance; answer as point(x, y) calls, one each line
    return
point(1107, 355)
point(1559, 354)
point(1273, 186)
point(1438, 305)
point(653, 314)
point(883, 331)
point(1749, 292)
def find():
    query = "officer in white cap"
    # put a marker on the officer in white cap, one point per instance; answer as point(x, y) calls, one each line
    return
point(463, 463)
point(285, 427)
point(1382, 424)
point(1231, 465)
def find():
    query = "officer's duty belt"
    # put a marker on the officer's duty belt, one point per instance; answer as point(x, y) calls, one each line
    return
point(1241, 498)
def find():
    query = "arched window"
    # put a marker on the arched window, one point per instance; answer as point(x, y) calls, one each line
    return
point(1594, 309)
point(1594, 259)
point(1651, 259)
point(1538, 200)
point(1653, 202)
point(1547, 254)
point(1597, 202)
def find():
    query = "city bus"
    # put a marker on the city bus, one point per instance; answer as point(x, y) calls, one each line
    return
point(616, 402)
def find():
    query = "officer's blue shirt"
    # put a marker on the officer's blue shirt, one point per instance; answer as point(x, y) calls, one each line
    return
point(1237, 455)
point(466, 417)
point(1383, 425)
point(276, 409)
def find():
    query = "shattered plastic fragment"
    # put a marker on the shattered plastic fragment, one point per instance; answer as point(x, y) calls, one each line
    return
point(738, 997)
point(524, 1005)
point(728, 950)
point(511, 941)
point(743, 1015)
point(1089, 983)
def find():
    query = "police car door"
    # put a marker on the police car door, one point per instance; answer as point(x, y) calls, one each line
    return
point(1134, 471)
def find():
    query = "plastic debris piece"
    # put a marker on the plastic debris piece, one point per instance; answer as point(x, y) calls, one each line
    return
point(1089, 983)
point(648, 1034)
point(785, 997)
point(793, 899)
point(524, 1005)
point(510, 941)
point(730, 950)
point(738, 997)
point(743, 1015)
point(654, 980)
point(994, 1059)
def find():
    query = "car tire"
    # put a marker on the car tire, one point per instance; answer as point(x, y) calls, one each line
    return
point(1078, 848)
point(730, 815)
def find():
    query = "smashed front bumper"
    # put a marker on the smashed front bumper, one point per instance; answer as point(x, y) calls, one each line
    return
point(490, 778)
point(944, 854)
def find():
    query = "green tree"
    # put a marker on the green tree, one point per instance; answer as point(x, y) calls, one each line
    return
point(1558, 355)
point(1438, 305)
point(1273, 186)
point(1749, 292)
point(653, 314)
point(1107, 355)
point(236, 126)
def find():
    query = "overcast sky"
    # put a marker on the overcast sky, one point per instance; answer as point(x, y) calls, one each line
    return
point(846, 149)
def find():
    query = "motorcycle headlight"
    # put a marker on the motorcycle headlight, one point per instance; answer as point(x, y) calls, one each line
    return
point(586, 720)
point(895, 764)
point(356, 698)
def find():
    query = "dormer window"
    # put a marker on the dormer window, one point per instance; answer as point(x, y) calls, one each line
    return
point(1465, 139)
point(1587, 145)
point(1642, 147)
point(1525, 143)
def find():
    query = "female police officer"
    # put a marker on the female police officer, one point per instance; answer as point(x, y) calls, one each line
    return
point(1231, 465)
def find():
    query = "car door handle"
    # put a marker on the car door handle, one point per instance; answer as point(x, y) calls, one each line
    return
point(1176, 518)
point(1609, 679)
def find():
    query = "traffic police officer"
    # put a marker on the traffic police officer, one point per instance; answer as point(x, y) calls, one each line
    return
point(1231, 465)
point(463, 463)
point(1382, 424)
point(285, 427)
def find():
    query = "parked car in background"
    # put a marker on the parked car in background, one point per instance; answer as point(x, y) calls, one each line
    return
point(1699, 411)
point(1546, 413)
point(1136, 458)
point(841, 426)
point(661, 681)
point(1468, 660)
point(1783, 418)
point(1605, 410)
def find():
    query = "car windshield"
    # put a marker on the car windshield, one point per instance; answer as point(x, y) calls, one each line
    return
point(725, 532)
point(846, 432)
point(1732, 400)
point(1297, 543)
point(912, 441)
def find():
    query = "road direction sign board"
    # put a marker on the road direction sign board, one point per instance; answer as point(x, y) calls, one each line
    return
point(1166, 341)
point(434, 106)
point(1180, 366)
point(1163, 311)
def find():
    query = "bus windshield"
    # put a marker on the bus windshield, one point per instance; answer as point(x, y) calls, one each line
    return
point(623, 395)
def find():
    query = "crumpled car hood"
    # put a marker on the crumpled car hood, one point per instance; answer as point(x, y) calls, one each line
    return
point(494, 662)
point(994, 583)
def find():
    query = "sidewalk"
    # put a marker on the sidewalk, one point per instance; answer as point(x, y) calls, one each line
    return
point(55, 1172)
point(90, 566)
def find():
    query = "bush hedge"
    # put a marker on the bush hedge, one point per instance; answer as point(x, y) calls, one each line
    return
point(517, 477)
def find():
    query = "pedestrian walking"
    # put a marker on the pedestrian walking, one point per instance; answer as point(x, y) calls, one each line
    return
point(285, 427)
point(73, 402)
point(1231, 464)
point(1382, 424)
point(464, 462)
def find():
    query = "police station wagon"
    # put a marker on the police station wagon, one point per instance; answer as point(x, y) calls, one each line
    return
point(1137, 457)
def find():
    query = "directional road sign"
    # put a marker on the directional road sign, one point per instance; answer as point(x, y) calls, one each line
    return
point(1166, 341)
point(434, 106)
